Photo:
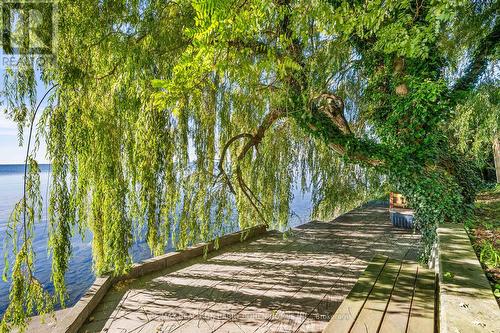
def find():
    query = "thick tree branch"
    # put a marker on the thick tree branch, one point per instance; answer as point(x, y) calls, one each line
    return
point(329, 122)
point(332, 106)
point(268, 120)
point(253, 140)
point(222, 171)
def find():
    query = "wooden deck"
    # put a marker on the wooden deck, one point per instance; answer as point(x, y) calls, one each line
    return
point(272, 284)
point(391, 296)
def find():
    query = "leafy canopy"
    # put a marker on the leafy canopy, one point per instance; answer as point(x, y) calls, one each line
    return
point(188, 117)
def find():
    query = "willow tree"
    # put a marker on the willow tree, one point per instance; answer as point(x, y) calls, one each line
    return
point(476, 125)
point(187, 117)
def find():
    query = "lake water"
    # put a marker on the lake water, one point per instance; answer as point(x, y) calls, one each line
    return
point(79, 276)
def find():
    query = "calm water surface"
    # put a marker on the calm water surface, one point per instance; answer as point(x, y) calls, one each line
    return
point(79, 276)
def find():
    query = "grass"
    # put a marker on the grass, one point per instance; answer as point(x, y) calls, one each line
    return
point(484, 229)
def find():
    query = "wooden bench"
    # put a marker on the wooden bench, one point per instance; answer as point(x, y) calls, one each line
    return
point(390, 296)
point(466, 302)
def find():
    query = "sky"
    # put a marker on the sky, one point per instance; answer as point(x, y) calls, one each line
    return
point(10, 151)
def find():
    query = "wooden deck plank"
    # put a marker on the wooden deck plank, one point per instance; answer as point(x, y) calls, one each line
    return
point(299, 292)
point(270, 284)
point(334, 285)
point(422, 310)
point(398, 310)
point(334, 298)
point(346, 314)
point(371, 314)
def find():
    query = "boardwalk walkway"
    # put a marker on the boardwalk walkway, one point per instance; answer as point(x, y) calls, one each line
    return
point(272, 284)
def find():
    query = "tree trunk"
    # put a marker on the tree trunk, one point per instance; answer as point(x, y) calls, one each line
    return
point(496, 157)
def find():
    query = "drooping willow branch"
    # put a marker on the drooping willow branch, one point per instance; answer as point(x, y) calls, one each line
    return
point(480, 57)
point(25, 227)
point(253, 141)
point(27, 295)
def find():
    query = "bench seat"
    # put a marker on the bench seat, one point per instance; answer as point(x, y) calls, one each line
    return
point(390, 296)
point(467, 303)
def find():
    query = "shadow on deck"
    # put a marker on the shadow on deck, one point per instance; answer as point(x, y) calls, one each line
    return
point(272, 284)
